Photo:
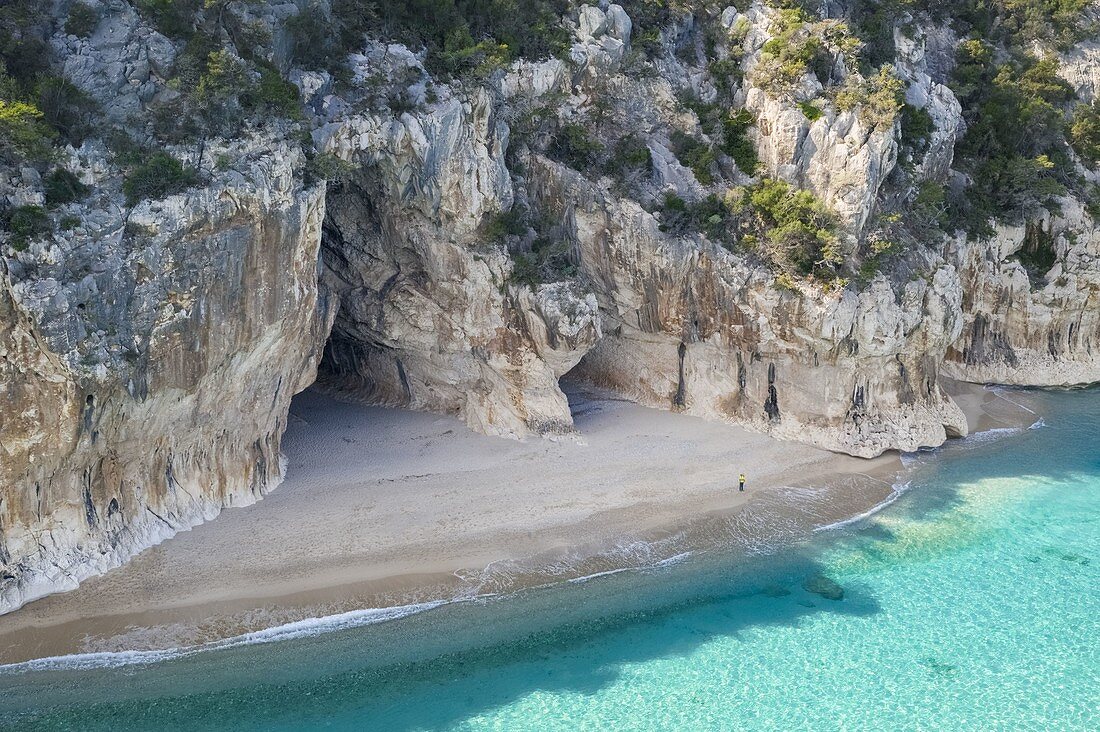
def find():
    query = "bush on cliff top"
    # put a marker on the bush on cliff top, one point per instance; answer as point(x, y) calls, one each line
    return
point(160, 176)
point(1015, 148)
point(459, 36)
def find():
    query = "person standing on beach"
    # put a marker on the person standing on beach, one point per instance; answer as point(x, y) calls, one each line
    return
point(741, 483)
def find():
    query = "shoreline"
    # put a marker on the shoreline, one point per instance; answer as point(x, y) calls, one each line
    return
point(452, 515)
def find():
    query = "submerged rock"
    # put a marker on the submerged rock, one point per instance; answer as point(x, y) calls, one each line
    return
point(823, 586)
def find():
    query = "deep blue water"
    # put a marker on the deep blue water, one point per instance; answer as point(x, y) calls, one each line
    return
point(971, 603)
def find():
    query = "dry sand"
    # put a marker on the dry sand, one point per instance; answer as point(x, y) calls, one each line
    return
point(386, 507)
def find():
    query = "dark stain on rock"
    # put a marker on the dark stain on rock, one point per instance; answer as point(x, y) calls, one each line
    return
point(905, 388)
point(90, 514)
point(771, 404)
point(987, 345)
point(403, 377)
point(89, 413)
point(681, 389)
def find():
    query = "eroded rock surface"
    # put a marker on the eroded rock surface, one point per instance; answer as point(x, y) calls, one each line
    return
point(149, 365)
point(690, 326)
point(148, 353)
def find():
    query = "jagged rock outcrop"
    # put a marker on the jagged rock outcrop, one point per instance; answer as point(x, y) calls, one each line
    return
point(429, 317)
point(841, 157)
point(1080, 66)
point(934, 98)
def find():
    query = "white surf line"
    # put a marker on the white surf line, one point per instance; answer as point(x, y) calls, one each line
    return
point(288, 631)
point(668, 562)
point(999, 393)
point(898, 490)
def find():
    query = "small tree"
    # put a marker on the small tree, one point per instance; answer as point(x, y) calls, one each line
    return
point(26, 223)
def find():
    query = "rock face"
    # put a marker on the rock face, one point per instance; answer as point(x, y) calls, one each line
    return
point(840, 157)
point(935, 98)
point(148, 354)
point(689, 326)
point(429, 319)
point(1038, 328)
point(148, 368)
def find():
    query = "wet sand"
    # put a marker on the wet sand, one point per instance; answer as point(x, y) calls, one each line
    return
point(386, 507)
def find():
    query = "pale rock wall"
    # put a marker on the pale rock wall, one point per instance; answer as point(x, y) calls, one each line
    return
point(935, 98)
point(1042, 331)
point(148, 368)
point(839, 157)
point(689, 326)
point(429, 319)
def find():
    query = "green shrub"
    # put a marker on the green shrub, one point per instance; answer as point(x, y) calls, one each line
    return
point(63, 187)
point(574, 147)
point(525, 270)
point(550, 257)
point(24, 53)
point(726, 74)
point(458, 36)
point(929, 210)
point(798, 45)
point(811, 111)
point(1014, 148)
point(82, 20)
point(1085, 132)
point(173, 18)
point(160, 176)
point(327, 167)
point(736, 141)
point(709, 216)
point(631, 155)
point(800, 228)
point(310, 39)
point(65, 107)
point(1037, 255)
point(512, 222)
point(879, 97)
point(275, 94)
point(23, 134)
point(26, 223)
point(917, 127)
point(694, 154)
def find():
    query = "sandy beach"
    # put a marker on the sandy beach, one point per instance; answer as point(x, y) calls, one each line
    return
point(385, 507)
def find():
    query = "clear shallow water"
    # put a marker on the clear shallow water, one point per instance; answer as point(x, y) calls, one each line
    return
point(972, 602)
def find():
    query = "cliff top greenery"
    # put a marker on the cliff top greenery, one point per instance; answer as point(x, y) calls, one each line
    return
point(1026, 130)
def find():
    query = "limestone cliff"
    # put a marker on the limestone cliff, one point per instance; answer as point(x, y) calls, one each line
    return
point(429, 319)
point(481, 234)
point(148, 367)
point(690, 326)
point(1037, 328)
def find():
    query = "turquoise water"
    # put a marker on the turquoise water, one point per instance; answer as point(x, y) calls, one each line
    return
point(971, 603)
